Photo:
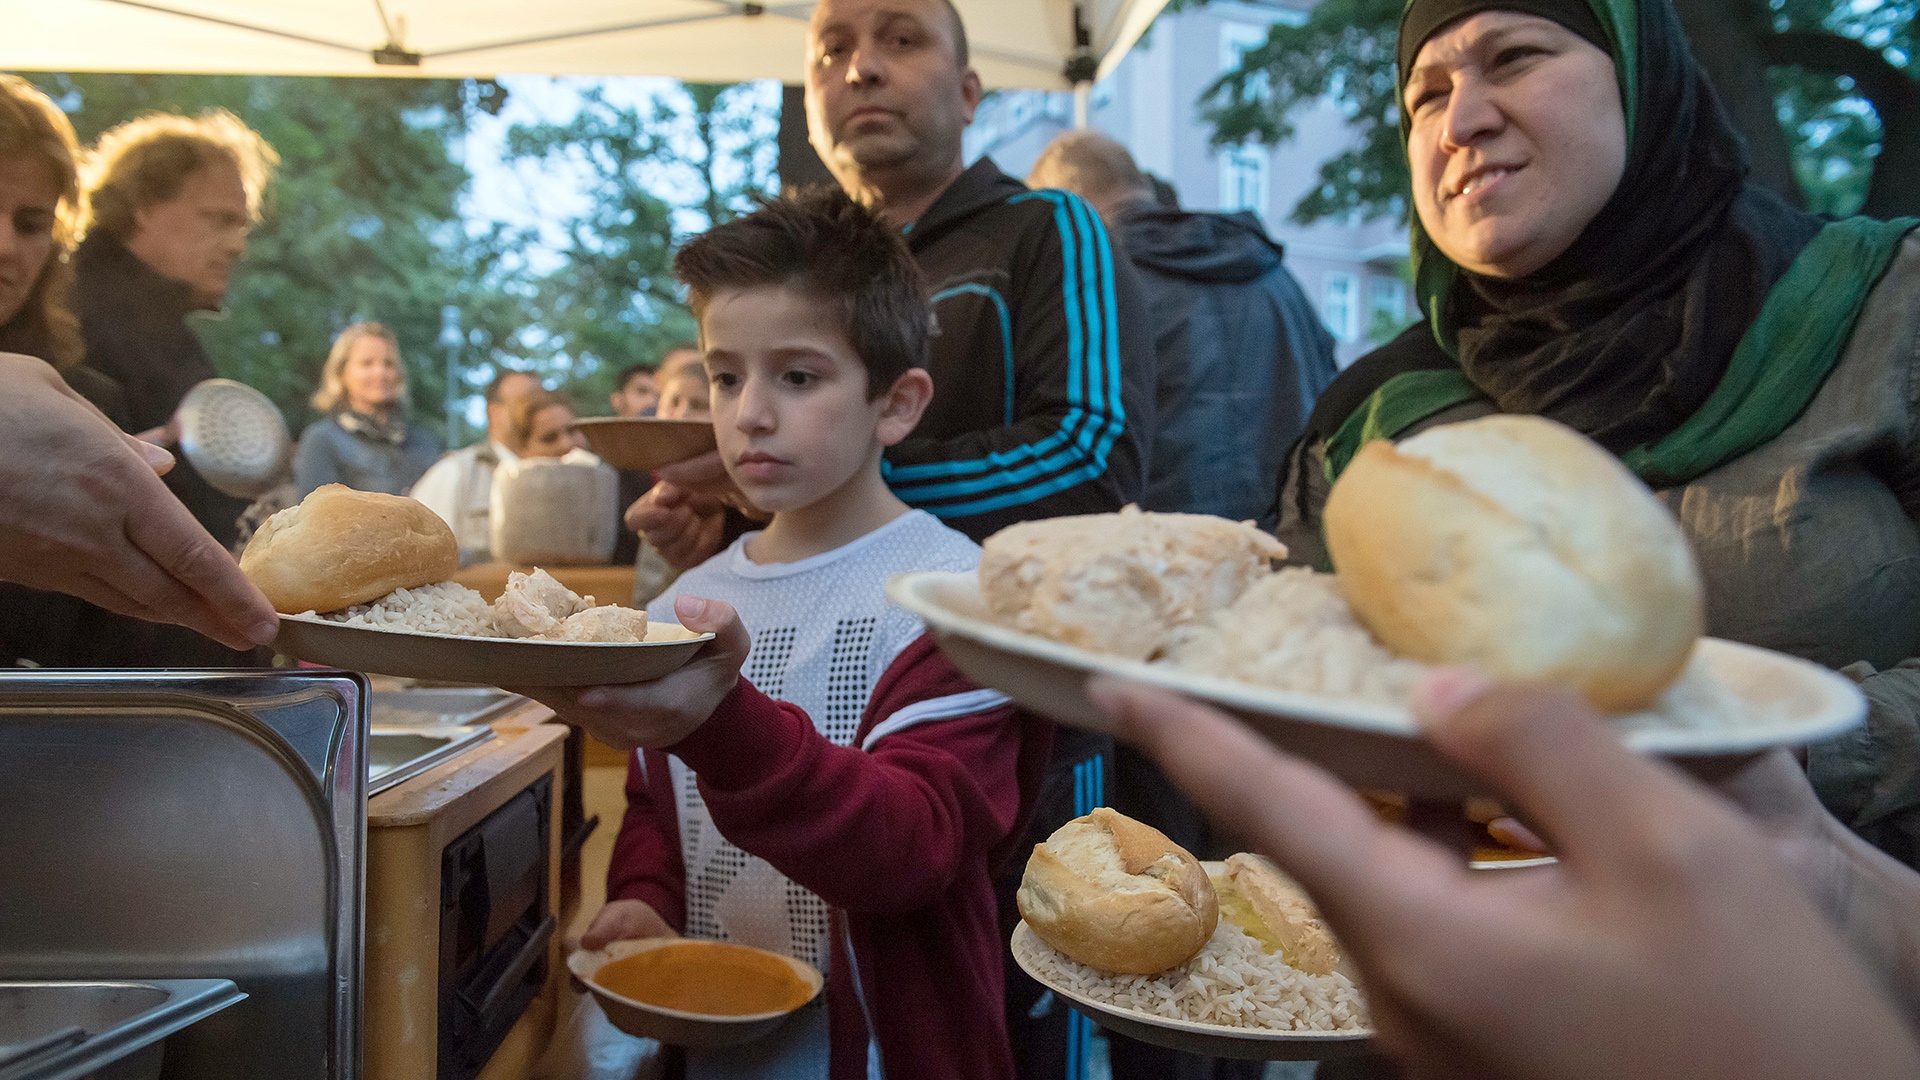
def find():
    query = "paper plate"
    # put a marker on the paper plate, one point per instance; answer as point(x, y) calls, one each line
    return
point(486, 661)
point(646, 442)
point(1785, 701)
point(1211, 1040)
point(672, 1026)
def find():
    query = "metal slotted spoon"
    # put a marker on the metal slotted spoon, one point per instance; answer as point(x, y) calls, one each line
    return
point(235, 437)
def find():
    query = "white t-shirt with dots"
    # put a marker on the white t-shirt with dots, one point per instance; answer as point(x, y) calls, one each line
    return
point(823, 634)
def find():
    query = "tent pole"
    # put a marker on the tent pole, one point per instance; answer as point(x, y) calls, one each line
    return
point(1081, 66)
point(1082, 93)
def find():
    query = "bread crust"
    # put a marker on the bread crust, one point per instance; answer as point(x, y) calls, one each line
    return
point(1514, 545)
point(1118, 895)
point(342, 547)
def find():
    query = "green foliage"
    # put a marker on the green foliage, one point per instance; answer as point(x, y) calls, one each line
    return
point(362, 222)
point(1344, 51)
point(693, 158)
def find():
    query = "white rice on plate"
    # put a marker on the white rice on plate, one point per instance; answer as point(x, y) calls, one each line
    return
point(446, 607)
point(1293, 631)
point(1231, 983)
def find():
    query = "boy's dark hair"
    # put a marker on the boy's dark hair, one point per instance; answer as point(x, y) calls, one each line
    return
point(627, 373)
point(819, 243)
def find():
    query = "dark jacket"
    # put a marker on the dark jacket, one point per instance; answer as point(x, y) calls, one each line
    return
point(134, 321)
point(1239, 357)
point(1042, 364)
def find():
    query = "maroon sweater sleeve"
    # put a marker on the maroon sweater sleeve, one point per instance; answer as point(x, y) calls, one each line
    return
point(646, 861)
point(885, 829)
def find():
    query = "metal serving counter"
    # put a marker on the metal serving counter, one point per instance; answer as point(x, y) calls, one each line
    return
point(193, 825)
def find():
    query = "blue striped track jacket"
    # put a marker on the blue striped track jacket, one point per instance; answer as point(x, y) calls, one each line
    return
point(1042, 361)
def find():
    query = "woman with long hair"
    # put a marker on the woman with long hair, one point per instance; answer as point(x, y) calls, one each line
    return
point(40, 205)
point(364, 439)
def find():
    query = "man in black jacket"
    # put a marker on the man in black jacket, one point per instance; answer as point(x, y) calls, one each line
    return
point(171, 200)
point(1042, 366)
point(1240, 354)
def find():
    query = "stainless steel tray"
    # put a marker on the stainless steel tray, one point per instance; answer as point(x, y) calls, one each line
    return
point(436, 706)
point(69, 1029)
point(396, 754)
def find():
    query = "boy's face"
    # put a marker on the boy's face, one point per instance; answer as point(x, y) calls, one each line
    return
point(790, 407)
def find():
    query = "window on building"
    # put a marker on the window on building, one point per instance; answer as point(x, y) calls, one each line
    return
point(1387, 298)
point(1338, 307)
point(1243, 178)
point(1236, 40)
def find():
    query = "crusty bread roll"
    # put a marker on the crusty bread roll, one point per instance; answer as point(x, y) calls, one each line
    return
point(1120, 583)
point(1517, 546)
point(342, 547)
point(1118, 895)
point(1258, 898)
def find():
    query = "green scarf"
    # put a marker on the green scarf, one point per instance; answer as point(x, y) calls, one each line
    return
point(1779, 365)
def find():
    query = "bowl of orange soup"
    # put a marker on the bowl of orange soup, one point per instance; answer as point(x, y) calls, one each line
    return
point(692, 992)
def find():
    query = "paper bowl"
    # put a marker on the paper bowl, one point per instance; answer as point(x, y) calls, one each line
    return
point(672, 1026)
point(647, 442)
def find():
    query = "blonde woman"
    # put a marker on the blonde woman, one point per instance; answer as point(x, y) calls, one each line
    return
point(364, 441)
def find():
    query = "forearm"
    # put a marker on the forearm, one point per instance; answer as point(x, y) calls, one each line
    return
point(1874, 901)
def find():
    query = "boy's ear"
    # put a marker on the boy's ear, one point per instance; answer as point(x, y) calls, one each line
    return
point(902, 404)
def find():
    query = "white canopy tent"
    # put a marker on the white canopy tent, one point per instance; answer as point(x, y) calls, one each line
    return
point(1015, 43)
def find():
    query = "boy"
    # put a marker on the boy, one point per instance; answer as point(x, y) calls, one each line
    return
point(847, 800)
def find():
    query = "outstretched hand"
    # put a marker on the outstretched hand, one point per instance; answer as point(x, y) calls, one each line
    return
point(1669, 940)
point(83, 511)
point(660, 713)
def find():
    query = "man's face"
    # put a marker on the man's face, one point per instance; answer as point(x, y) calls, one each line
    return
point(514, 388)
point(885, 90)
point(637, 397)
point(196, 236)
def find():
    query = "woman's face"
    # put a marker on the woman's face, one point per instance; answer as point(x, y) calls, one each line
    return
point(552, 434)
point(29, 205)
point(1517, 140)
point(372, 376)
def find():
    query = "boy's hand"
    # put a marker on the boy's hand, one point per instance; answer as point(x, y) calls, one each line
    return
point(684, 527)
point(662, 712)
point(624, 920)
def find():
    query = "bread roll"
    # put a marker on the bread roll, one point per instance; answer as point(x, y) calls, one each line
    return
point(1258, 898)
point(1113, 893)
point(1120, 583)
point(342, 547)
point(1515, 545)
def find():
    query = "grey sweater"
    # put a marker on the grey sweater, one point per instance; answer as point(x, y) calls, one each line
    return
point(330, 454)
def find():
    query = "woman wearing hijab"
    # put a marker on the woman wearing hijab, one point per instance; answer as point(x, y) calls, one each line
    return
point(364, 441)
point(1587, 247)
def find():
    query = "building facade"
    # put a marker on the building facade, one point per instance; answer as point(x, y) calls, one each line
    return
point(1351, 270)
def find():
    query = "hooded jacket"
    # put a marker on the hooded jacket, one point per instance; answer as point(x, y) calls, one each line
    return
point(1042, 365)
point(1239, 357)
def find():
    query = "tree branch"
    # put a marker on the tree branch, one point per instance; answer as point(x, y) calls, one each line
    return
point(1873, 75)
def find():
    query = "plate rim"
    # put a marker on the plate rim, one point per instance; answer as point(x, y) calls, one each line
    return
point(1188, 1027)
point(909, 590)
point(321, 621)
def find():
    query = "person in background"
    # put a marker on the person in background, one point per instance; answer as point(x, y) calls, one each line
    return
point(540, 424)
point(1239, 356)
point(459, 487)
point(683, 388)
point(1676, 937)
point(170, 201)
point(1239, 352)
point(39, 211)
point(636, 393)
point(364, 440)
